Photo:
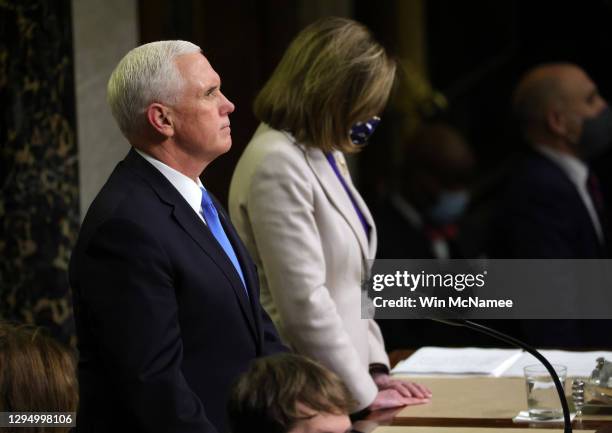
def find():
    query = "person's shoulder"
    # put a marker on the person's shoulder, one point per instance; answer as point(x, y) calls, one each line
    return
point(270, 141)
point(272, 161)
point(125, 196)
point(536, 165)
point(273, 150)
point(537, 174)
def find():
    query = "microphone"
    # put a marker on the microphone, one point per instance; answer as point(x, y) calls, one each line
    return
point(511, 340)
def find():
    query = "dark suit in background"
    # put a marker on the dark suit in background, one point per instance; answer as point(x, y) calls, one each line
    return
point(542, 216)
point(549, 208)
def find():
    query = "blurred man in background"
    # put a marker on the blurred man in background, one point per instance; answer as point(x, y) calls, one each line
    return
point(552, 206)
point(420, 218)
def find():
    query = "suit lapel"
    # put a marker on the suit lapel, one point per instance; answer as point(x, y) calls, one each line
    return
point(196, 229)
point(585, 216)
point(338, 197)
point(363, 207)
point(207, 242)
point(245, 262)
point(241, 253)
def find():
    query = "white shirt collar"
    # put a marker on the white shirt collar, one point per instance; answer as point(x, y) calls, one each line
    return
point(187, 187)
point(578, 173)
point(574, 168)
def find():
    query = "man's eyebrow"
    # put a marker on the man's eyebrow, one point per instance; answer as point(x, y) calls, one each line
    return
point(213, 84)
point(211, 88)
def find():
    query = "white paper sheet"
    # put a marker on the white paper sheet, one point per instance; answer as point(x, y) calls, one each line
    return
point(579, 364)
point(493, 362)
point(470, 360)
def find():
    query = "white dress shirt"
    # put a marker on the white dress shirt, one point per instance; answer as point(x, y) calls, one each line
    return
point(186, 186)
point(578, 173)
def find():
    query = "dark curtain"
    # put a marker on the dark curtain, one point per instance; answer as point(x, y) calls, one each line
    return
point(38, 164)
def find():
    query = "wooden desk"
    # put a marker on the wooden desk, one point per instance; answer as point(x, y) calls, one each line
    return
point(476, 402)
point(479, 402)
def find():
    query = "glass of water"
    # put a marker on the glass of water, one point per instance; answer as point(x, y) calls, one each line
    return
point(542, 397)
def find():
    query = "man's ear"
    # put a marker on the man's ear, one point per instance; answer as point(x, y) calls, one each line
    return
point(160, 118)
point(557, 122)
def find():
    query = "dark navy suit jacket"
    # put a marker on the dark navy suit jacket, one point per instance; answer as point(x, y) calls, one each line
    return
point(542, 216)
point(163, 321)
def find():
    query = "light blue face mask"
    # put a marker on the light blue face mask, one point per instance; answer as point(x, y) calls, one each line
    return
point(449, 207)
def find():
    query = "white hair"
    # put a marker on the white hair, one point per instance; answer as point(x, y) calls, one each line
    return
point(146, 74)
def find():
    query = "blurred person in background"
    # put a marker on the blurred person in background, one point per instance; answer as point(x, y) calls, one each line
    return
point(420, 218)
point(37, 374)
point(552, 206)
point(294, 204)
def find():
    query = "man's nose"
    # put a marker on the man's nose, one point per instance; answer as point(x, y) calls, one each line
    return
point(602, 104)
point(227, 106)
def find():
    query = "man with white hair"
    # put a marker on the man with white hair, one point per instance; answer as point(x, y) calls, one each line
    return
point(166, 297)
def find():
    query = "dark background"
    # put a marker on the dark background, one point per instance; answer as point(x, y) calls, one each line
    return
point(474, 53)
point(476, 50)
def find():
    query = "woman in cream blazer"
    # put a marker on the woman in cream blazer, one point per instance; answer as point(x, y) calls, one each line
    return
point(306, 226)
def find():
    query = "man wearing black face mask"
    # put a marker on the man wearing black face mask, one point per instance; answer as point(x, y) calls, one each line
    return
point(552, 207)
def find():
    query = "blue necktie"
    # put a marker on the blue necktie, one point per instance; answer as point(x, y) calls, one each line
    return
point(212, 219)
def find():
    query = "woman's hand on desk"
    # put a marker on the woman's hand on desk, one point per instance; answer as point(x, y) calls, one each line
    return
point(389, 398)
point(405, 388)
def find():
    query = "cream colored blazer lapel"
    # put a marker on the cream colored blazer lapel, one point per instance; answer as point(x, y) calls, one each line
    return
point(340, 199)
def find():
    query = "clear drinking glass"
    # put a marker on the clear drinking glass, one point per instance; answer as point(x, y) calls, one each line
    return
point(542, 397)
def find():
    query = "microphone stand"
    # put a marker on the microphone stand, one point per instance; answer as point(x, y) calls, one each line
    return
point(511, 340)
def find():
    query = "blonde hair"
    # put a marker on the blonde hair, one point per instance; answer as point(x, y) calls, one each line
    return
point(333, 75)
point(37, 374)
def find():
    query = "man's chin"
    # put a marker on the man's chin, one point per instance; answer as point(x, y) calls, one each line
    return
point(225, 147)
point(228, 145)
point(219, 149)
